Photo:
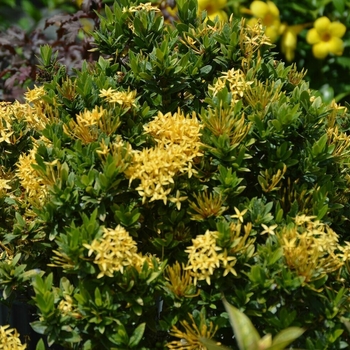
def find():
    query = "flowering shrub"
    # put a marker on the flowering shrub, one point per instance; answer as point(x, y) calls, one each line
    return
point(184, 165)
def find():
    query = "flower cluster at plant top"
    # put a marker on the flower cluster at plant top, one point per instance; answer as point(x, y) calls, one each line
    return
point(115, 251)
point(178, 145)
point(9, 339)
point(237, 84)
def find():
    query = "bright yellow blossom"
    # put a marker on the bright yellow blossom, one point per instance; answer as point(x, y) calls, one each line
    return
point(213, 8)
point(114, 252)
point(269, 16)
point(204, 257)
point(239, 214)
point(270, 230)
point(325, 37)
point(178, 144)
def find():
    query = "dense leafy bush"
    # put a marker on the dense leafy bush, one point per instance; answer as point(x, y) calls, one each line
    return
point(184, 165)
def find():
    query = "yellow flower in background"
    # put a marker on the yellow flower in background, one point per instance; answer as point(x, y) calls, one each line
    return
point(214, 8)
point(9, 339)
point(269, 16)
point(325, 37)
point(289, 40)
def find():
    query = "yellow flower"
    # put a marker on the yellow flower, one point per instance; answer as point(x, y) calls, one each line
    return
point(270, 230)
point(269, 15)
point(213, 9)
point(115, 251)
point(325, 37)
point(239, 214)
point(177, 199)
point(142, 7)
point(126, 99)
point(34, 95)
point(178, 144)
point(9, 339)
point(289, 40)
point(203, 258)
point(4, 185)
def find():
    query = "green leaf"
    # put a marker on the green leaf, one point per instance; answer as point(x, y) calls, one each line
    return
point(137, 335)
point(246, 335)
point(339, 5)
point(40, 345)
point(38, 327)
point(285, 337)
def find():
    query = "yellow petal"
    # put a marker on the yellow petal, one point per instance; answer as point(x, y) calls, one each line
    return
point(259, 9)
point(252, 22)
point(335, 46)
point(312, 36)
point(272, 33)
point(320, 50)
point(273, 9)
point(221, 15)
point(322, 24)
point(337, 29)
point(290, 54)
point(289, 39)
point(211, 6)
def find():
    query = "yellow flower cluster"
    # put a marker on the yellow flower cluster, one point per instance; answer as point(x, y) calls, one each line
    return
point(204, 258)
point(9, 339)
point(126, 99)
point(67, 307)
point(89, 124)
point(236, 82)
point(178, 144)
point(34, 95)
point(35, 112)
point(29, 178)
point(142, 7)
point(311, 248)
point(115, 251)
point(5, 122)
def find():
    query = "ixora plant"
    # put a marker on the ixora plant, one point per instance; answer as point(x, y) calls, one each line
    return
point(184, 166)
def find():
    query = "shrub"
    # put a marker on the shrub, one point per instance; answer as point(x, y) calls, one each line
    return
point(184, 165)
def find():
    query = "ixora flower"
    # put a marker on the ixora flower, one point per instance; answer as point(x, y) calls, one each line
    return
point(9, 339)
point(213, 8)
point(325, 37)
point(269, 16)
